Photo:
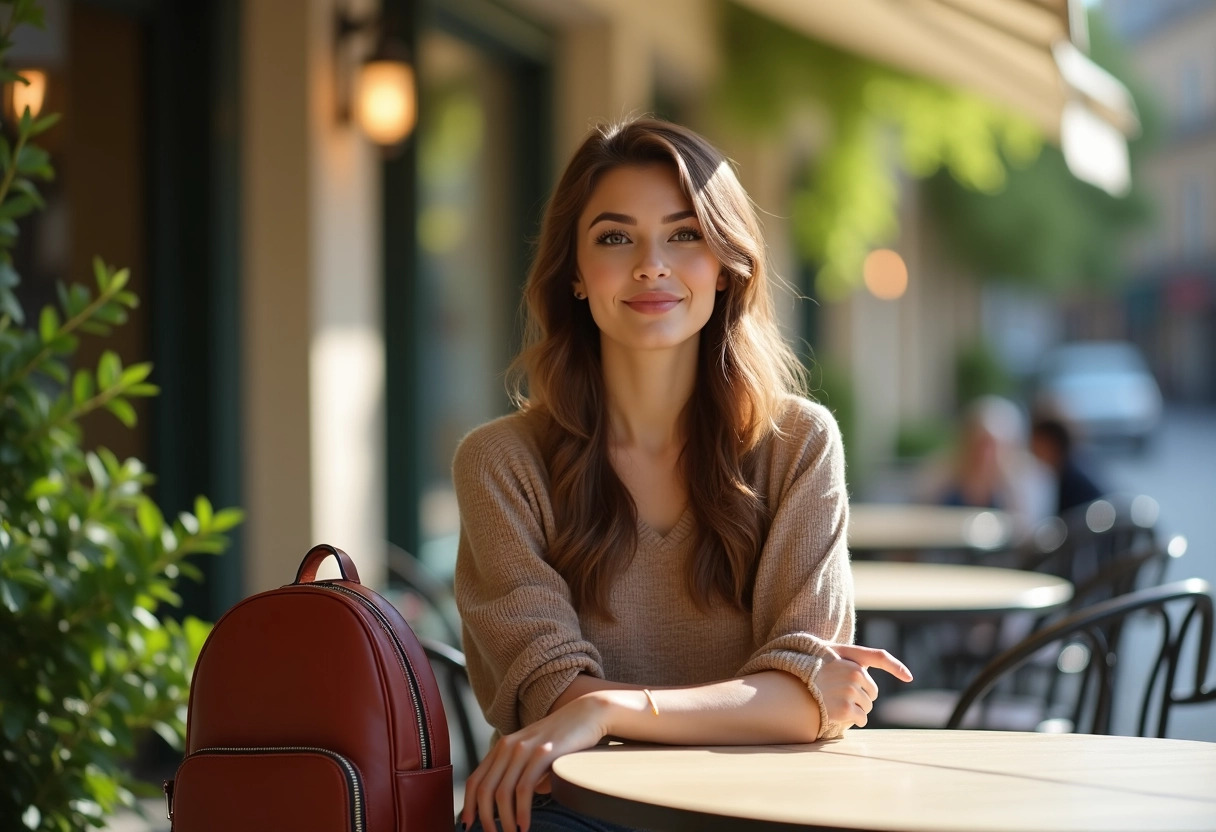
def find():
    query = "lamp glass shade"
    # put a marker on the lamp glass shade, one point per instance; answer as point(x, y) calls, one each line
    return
point(29, 95)
point(385, 106)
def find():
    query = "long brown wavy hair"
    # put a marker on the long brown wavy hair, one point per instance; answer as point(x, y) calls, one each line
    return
point(745, 371)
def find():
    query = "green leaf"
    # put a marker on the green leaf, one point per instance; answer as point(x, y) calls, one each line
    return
point(169, 734)
point(226, 519)
point(202, 510)
point(120, 278)
point(142, 390)
point(17, 206)
point(10, 306)
point(162, 593)
point(28, 188)
point(135, 373)
point(33, 160)
point(44, 487)
point(8, 276)
point(82, 386)
point(43, 124)
point(111, 313)
point(97, 470)
point(56, 370)
point(12, 596)
point(123, 410)
point(79, 297)
point(48, 324)
point(109, 369)
point(196, 632)
point(149, 516)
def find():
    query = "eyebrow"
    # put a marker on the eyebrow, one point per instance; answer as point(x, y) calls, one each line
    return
point(625, 219)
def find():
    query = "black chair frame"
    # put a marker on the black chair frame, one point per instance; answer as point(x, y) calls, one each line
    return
point(1095, 625)
point(405, 568)
point(453, 674)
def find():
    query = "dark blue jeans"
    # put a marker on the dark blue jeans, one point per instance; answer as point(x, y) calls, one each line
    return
point(550, 816)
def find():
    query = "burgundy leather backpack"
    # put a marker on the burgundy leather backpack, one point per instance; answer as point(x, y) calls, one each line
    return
point(313, 708)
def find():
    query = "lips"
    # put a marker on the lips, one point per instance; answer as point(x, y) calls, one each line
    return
point(653, 303)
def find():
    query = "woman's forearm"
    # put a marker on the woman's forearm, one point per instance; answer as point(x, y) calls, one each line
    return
point(760, 709)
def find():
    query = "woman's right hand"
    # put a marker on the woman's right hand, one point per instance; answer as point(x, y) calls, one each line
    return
point(504, 783)
point(846, 687)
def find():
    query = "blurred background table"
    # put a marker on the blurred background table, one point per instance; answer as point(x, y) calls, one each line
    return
point(882, 528)
point(901, 781)
point(935, 590)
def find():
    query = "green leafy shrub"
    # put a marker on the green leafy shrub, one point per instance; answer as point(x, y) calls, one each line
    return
point(978, 371)
point(919, 438)
point(87, 559)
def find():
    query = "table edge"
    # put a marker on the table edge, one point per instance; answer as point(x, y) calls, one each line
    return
point(637, 813)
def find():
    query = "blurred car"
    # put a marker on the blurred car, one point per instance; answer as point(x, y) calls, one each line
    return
point(1104, 388)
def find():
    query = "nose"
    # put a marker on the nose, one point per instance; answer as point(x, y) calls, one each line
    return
point(651, 264)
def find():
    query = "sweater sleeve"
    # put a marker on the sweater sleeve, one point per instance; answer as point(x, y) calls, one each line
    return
point(522, 638)
point(803, 598)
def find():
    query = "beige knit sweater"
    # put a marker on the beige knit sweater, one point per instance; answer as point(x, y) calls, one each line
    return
point(524, 641)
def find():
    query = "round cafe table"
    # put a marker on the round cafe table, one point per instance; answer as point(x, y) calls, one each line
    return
point(898, 527)
point(898, 590)
point(901, 781)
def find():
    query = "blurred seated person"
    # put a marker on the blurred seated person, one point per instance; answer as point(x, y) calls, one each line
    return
point(991, 467)
point(1051, 441)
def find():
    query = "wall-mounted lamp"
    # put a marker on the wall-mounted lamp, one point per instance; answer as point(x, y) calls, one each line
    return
point(29, 95)
point(381, 97)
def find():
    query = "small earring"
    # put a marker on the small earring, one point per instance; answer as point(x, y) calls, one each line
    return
point(580, 294)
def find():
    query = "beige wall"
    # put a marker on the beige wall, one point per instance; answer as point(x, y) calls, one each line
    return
point(312, 342)
point(612, 53)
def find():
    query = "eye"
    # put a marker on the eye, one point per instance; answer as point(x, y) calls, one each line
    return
point(686, 235)
point(612, 238)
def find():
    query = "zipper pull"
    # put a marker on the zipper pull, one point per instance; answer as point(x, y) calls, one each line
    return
point(167, 788)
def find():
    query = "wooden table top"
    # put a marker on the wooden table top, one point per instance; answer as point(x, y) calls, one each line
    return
point(940, 589)
point(901, 527)
point(902, 781)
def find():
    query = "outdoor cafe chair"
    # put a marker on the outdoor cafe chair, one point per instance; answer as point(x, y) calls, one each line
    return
point(427, 603)
point(1087, 660)
point(1088, 540)
point(464, 719)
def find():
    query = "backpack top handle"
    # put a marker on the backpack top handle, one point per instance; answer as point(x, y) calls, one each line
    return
point(318, 553)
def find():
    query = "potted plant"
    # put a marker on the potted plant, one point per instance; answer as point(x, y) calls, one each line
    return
point(88, 562)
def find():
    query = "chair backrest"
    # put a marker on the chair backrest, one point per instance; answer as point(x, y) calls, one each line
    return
point(1082, 645)
point(448, 664)
point(1089, 540)
point(440, 617)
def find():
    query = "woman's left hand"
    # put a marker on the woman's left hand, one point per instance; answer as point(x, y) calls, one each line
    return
point(508, 777)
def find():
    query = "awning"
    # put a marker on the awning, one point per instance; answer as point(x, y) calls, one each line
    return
point(1026, 54)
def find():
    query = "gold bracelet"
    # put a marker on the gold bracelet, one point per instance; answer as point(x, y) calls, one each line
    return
point(654, 709)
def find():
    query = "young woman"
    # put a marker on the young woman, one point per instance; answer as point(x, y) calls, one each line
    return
point(653, 547)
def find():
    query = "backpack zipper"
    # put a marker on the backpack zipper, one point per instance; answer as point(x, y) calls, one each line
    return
point(415, 690)
point(354, 783)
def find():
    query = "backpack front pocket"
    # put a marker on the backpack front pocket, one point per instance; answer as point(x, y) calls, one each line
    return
point(260, 789)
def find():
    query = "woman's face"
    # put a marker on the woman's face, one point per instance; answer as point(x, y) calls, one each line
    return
point(643, 263)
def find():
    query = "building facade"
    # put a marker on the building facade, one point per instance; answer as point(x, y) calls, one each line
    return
point(1172, 305)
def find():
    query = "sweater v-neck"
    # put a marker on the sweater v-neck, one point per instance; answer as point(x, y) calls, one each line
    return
point(649, 536)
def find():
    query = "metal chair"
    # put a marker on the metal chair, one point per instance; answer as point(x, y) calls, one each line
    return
point(448, 664)
point(1083, 650)
point(439, 616)
point(1089, 540)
